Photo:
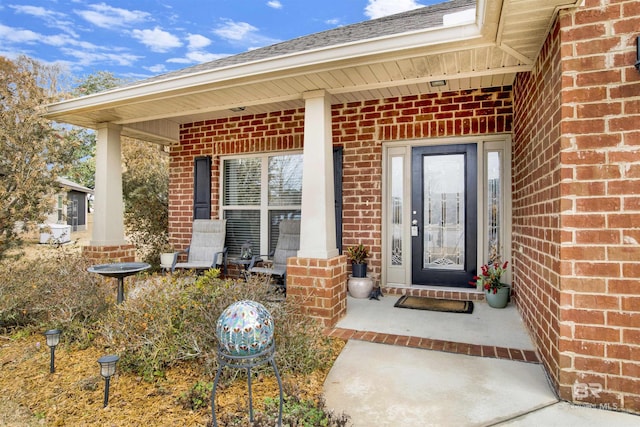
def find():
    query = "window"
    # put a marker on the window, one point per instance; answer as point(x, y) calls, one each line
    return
point(258, 192)
point(60, 208)
point(494, 206)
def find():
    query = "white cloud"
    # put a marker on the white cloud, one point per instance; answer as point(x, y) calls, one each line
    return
point(86, 58)
point(334, 21)
point(64, 40)
point(106, 16)
point(157, 40)
point(379, 8)
point(18, 35)
point(37, 11)
point(157, 69)
point(52, 18)
point(232, 30)
point(199, 57)
point(196, 41)
point(274, 4)
point(242, 33)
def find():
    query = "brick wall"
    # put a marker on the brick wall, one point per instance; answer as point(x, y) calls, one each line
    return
point(280, 130)
point(360, 127)
point(589, 328)
point(600, 299)
point(536, 200)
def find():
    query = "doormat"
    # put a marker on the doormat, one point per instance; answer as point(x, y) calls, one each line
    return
point(435, 304)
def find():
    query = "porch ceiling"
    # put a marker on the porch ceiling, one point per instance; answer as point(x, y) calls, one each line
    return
point(485, 50)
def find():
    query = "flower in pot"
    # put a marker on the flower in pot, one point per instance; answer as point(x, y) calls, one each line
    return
point(496, 292)
point(358, 255)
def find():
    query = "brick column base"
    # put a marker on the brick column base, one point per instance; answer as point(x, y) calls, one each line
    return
point(109, 254)
point(321, 287)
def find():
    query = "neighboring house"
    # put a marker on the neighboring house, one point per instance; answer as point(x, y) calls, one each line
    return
point(71, 205)
point(496, 126)
point(69, 214)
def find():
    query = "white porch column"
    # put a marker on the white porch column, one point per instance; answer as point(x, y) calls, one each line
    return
point(108, 217)
point(318, 224)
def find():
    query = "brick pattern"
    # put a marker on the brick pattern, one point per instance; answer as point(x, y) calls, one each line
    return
point(459, 295)
point(536, 201)
point(279, 130)
point(109, 254)
point(600, 296)
point(583, 156)
point(436, 345)
point(319, 286)
point(362, 127)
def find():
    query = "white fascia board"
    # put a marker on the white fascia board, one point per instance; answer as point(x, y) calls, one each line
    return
point(281, 64)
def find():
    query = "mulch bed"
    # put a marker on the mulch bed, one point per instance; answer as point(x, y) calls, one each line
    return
point(73, 395)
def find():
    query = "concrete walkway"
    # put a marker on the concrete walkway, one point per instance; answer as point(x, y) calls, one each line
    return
point(405, 384)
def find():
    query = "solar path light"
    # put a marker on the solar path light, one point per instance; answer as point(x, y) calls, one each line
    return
point(107, 369)
point(53, 338)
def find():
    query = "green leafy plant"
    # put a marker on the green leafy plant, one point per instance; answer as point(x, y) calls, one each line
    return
point(357, 254)
point(490, 276)
point(300, 412)
point(198, 396)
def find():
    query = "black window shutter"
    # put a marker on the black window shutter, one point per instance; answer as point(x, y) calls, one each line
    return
point(202, 188)
point(337, 188)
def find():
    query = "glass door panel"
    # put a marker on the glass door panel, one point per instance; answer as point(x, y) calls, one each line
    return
point(444, 212)
point(444, 216)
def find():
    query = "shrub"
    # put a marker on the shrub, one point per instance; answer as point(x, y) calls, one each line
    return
point(173, 319)
point(198, 397)
point(295, 412)
point(53, 292)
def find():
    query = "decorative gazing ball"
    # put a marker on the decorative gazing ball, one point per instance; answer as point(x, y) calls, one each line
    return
point(245, 328)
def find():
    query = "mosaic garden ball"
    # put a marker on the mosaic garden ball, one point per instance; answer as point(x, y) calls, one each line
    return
point(245, 328)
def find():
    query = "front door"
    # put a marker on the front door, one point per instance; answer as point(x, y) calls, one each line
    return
point(444, 215)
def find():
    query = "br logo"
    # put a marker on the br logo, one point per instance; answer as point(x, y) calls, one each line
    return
point(584, 390)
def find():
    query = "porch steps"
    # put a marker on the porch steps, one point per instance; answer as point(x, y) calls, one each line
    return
point(436, 292)
point(479, 350)
point(529, 356)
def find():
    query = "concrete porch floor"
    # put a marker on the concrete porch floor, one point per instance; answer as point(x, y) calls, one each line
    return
point(404, 367)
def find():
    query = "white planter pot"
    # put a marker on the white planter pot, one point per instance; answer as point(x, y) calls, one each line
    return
point(166, 259)
point(360, 287)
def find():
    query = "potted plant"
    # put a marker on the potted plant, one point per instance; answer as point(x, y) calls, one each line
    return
point(359, 284)
point(358, 255)
point(496, 293)
point(168, 255)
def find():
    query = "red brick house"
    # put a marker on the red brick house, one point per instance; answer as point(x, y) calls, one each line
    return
point(438, 138)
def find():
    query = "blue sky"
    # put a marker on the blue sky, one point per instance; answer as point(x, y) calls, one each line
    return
point(142, 38)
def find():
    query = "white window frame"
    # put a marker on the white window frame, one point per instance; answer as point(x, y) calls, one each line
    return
point(264, 207)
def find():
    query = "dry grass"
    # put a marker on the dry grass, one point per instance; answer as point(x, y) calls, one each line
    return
point(73, 395)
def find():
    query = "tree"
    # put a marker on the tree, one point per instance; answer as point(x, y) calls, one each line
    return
point(145, 187)
point(145, 178)
point(83, 166)
point(32, 152)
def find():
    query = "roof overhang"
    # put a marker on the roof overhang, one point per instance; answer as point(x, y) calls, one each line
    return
point(478, 48)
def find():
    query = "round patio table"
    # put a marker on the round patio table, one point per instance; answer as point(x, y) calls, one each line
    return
point(119, 270)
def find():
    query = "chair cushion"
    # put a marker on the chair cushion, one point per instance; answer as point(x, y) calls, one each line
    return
point(207, 240)
point(276, 271)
